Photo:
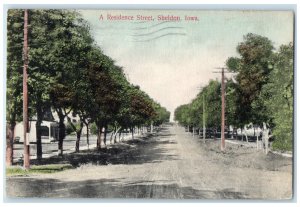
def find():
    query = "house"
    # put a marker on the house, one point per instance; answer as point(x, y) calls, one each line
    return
point(49, 127)
point(49, 131)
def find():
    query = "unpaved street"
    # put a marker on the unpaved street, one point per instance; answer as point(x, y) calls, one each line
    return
point(172, 165)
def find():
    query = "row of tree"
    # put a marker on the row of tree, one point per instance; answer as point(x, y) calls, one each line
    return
point(261, 91)
point(70, 74)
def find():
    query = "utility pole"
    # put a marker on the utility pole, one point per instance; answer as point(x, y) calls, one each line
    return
point(223, 107)
point(203, 118)
point(26, 158)
point(223, 113)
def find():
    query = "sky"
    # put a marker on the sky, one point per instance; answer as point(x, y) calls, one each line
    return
point(171, 60)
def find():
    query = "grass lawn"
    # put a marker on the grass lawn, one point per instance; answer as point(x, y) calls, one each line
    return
point(37, 169)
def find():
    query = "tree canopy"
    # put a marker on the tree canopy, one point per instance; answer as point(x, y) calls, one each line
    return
point(69, 72)
point(261, 91)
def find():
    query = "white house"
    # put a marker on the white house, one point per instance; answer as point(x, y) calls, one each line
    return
point(49, 131)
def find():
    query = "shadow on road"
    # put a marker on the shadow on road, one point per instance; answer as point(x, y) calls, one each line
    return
point(110, 188)
point(148, 149)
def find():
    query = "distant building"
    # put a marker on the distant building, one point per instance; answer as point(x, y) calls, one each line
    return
point(49, 131)
point(49, 127)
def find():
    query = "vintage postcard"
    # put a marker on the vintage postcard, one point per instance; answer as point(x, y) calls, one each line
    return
point(149, 104)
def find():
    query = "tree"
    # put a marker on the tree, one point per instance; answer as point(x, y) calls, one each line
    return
point(194, 112)
point(182, 115)
point(213, 99)
point(38, 78)
point(231, 104)
point(162, 115)
point(264, 89)
point(45, 56)
point(105, 91)
point(15, 25)
point(67, 55)
point(252, 68)
point(190, 114)
point(277, 98)
point(70, 74)
point(81, 95)
point(141, 108)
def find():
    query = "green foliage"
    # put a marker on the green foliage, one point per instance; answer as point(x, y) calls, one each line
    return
point(182, 115)
point(93, 128)
point(231, 99)
point(213, 109)
point(192, 114)
point(262, 92)
point(141, 107)
point(69, 72)
point(162, 115)
point(14, 66)
point(277, 98)
point(69, 129)
point(253, 68)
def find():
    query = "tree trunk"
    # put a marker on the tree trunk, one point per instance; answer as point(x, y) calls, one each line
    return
point(87, 136)
point(265, 137)
point(105, 133)
point(215, 133)
point(99, 134)
point(115, 135)
point(151, 127)
point(111, 136)
point(77, 142)
point(132, 136)
point(78, 135)
point(40, 115)
point(235, 134)
point(242, 134)
point(10, 128)
point(120, 135)
point(39, 150)
point(257, 146)
point(62, 134)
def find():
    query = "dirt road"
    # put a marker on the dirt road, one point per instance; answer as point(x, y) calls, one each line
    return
point(170, 165)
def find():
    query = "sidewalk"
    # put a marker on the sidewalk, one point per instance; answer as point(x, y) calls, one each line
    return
point(254, 145)
point(91, 146)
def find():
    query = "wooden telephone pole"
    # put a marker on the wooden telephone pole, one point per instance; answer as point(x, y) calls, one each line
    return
point(223, 113)
point(26, 158)
point(223, 108)
point(203, 118)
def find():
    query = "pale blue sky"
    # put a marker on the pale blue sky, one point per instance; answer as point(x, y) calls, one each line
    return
point(171, 60)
